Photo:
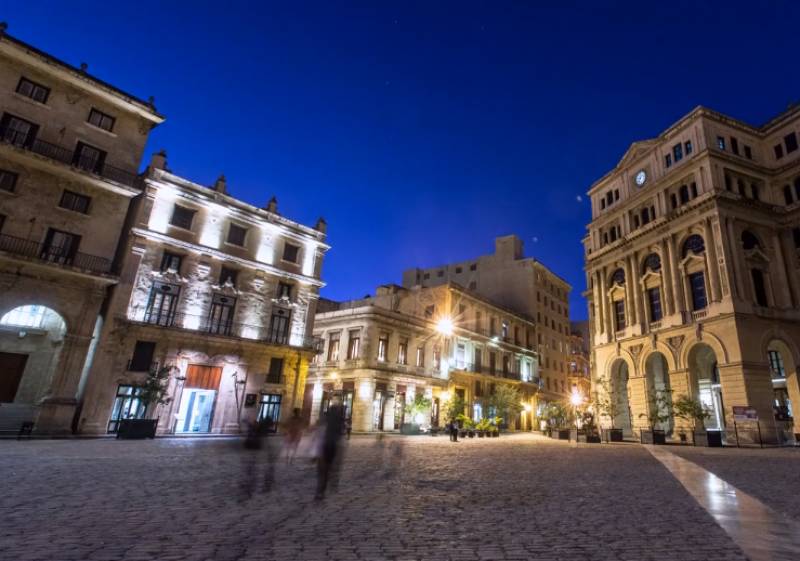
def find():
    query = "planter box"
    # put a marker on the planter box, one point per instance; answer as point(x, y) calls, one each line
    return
point(613, 435)
point(409, 429)
point(589, 438)
point(652, 437)
point(709, 438)
point(137, 428)
point(560, 434)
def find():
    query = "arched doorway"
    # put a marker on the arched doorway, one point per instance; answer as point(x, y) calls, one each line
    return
point(31, 339)
point(705, 384)
point(783, 372)
point(619, 396)
point(658, 390)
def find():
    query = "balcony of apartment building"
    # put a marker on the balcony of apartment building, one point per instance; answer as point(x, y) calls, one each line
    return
point(221, 327)
point(59, 250)
point(84, 159)
point(487, 370)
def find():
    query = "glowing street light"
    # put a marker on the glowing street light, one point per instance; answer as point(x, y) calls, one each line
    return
point(576, 399)
point(445, 327)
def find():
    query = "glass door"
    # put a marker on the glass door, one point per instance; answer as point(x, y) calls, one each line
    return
point(195, 412)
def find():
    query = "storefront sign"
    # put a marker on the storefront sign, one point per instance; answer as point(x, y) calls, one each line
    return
point(744, 413)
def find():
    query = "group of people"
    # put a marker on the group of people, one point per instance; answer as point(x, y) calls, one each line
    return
point(324, 449)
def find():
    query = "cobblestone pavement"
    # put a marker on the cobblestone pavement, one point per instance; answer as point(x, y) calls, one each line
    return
point(516, 497)
point(771, 475)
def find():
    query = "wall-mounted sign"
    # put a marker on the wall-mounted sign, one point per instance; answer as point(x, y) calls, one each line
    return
point(250, 400)
point(744, 413)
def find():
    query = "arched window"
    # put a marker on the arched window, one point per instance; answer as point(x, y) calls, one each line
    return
point(749, 240)
point(759, 287)
point(618, 277)
point(652, 263)
point(695, 244)
point(684, 194)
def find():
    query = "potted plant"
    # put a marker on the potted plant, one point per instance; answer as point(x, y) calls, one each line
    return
point(658, 412)
point(152, 392)
point(696, 414)
point(608, 404)
point(495, 426)
point(417, 410)
point(454, 412)
point(588, 432)
point(505, 402)
point(481, 427)
point(557, 415)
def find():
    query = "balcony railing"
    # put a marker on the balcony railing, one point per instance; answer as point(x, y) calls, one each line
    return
point(483, 369)
point(68, 157)
point(54, 255)
point(220, 328)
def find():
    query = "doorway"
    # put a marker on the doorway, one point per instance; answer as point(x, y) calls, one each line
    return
point(12, 365)
point(195, 412)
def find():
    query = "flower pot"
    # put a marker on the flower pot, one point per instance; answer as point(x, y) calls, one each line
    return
point(613, 435)
point(563, 434)
point(471, 433)
point(137, 428)
point(495, 433)
point(481, 434)
point(462, 433)
point(653, 437)
point(709, 438)
point(593, 438)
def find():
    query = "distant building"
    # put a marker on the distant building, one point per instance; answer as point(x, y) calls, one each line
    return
point(580, 359)
point(381, 352)
point(693, 269)
point(220, 293)
point(70, 149)
point(522, 284)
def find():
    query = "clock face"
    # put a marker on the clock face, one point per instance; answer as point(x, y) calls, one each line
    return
point(641, 177)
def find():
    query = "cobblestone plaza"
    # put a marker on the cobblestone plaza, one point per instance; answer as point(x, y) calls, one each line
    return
point(402, 498)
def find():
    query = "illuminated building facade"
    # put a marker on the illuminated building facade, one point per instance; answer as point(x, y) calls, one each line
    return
point(380, 352)
point(219, 293)
point(693, 272)
point(580, 359)
point(70, 149)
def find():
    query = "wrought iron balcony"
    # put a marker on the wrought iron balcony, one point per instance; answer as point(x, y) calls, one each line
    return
point(54, 255)
point(221, 328)
point(69, 157)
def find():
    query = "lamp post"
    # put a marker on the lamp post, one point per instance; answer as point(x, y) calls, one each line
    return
point(576, 399)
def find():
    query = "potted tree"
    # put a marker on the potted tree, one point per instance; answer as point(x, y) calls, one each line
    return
point(494, 430)
point(588, 432)
point(557, 415)
point(454, 411)
point(152, 393)
point(505, 401)
point(658, 413)
point(608, 405)
point(696, 413)
point(418, 410)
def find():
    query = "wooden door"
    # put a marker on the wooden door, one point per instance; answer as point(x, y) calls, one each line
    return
point(12, 365)
point(203, 377)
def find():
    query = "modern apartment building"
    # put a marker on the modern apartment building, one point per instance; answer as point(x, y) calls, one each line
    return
point(524, 285)
point(220, 293)
point(693, 271)
point(380, 352)
point(70, 149)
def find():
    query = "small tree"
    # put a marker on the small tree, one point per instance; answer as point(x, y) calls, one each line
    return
point(557, 415)
point(506, 401)
point(154, 389)
point(658, 412)
point(453, 407)
point(588, 422)
point(606, 401)
point(420, 406)
point(691, 410)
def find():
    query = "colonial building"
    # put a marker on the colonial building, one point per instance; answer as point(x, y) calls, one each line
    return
point(220, 293)
point(382, 351)
point(70, 148)
point(522, 284)
point(694, 273)
point(580, 359)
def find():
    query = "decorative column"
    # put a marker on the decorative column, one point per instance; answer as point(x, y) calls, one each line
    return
point(790, 266)
point(603, 304)
point(735, 249)
point(711, 261)
point(596, 302)
point(781, 288)
point(675, 280)
point(666, 279)
point(631, 309)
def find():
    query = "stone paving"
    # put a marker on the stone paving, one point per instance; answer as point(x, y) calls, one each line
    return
point(771, 475)
point(517, 497)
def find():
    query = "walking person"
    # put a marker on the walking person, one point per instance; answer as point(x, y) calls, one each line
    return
point(328, 460)
point(294, 431)
point(454, 431)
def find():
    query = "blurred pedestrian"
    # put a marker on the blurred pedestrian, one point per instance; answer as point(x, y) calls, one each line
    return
point(294, 431)
point(328, 456)
point(348, 426)
point(453, 431)
point(257, 457)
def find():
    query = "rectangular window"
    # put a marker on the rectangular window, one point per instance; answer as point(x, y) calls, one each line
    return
point(677, 152)
point(734, 145)
point(778, 151)
point(619, 314)
point(383, 347)
point(402, 352)
point(101, 120)
point(687, 147)
point(790, 140)
point(16, 131)
point(236, 235)
point(227, 275)
point(776, 364)
point(668, 160)
point(796, 237)
point(697, 283)
point(284, 291)
point(478, 361)
point(142, 358)
point(353, 345)
point(458, 270)
point(88, 158)
point(759, 287)
point(787, 194)
point(162, 303)
point(8, 180)
point(279, 327)
point(654, 301)
point(31, 89)
point(420, 357)
point(270, 408)
point(748, 152)
point(171, 262)
point(290, 252)
point(437, 359)
point(275, 370)
point(492, 363)
point(220, 318)
point(2, 221)
point(75, 201)
point(182, 217)
point(721, 142)
point(60, 247)
point(473, 267)
point(127, 405)
point(333, 346)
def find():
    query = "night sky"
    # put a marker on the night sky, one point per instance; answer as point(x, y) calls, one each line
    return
point(421, 131)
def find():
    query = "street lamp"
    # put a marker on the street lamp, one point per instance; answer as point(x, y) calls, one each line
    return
point(576, 399)
point(445, 326)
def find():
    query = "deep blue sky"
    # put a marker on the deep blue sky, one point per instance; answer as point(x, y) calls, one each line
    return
point(423, 130)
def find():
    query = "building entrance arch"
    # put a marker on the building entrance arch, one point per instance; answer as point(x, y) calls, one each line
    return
point(620, 396)
point(658, 390)
point(705, 383)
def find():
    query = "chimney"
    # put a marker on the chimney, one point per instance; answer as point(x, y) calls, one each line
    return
point(159, 160)
point(220, 185)
point(321, 225)
point(272, 205)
